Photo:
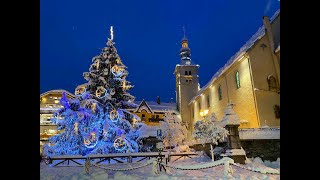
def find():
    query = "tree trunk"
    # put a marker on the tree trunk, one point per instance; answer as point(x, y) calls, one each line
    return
point(212, 154)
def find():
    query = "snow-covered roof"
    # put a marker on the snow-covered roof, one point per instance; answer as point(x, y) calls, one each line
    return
point(260, 133)
point(162, 107)
point(258, 35)
point(57, 91)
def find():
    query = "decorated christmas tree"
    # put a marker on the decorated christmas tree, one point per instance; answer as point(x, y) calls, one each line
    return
point(96, 122)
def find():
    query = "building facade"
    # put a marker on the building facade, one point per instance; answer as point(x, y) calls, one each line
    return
point(151, 113)
point(250, 79)
point(49, 104)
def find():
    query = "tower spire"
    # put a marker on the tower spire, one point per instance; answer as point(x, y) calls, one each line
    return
point(185, 51)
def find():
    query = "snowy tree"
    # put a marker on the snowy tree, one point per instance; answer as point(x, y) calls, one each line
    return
point(96, 121)
point(208, 131)
point(174, 133)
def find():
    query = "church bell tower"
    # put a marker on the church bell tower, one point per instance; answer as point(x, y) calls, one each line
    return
point(187, 84)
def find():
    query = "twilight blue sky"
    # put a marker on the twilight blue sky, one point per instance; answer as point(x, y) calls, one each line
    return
point(147, 35)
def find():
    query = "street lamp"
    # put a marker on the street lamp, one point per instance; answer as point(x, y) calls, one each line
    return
point(204, 113)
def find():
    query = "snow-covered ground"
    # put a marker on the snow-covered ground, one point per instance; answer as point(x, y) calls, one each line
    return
point(78, 172)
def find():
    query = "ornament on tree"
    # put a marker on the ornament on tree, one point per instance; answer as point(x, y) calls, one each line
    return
point(90, 141)
point(117, 71)
point(120, 144)
point(101, 92)
point(76, 128)
point(114, 115)
point(118, 61)
point(80, 90)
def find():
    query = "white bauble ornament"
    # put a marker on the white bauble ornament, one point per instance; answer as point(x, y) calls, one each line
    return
point(114, 115)
point(117, 71)
point(101, 92)
point(91, 140)
point(120, 144)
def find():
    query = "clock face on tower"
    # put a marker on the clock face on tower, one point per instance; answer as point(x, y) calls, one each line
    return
point(188, 62)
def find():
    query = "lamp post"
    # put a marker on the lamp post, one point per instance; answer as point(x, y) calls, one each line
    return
point(204, 113)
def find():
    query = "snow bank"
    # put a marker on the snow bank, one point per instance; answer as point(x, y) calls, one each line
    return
point(148, 131)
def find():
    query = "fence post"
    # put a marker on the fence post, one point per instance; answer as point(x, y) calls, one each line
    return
point(228, 171)
point(155, 167)
point(87, 165)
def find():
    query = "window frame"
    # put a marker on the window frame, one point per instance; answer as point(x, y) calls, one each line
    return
point(219, 93)
point(237, 77)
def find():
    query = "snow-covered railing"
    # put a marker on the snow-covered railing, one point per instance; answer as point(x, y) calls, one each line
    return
point(202, 165)
point(88, 164)
point(226, 161)
point(258, 170)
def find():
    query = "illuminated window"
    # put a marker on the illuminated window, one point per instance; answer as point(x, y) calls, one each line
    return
point(237, 80)
point(219, 92)
point(208, 100)
point(55, 98)
point(56, 101)
point(189, 72)
point(50, 97)
point(272, 83)
point(276, 109)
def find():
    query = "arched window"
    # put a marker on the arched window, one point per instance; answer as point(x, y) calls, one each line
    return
point(276, 109)
point(219, 92)
point(237, 80)
point(272, 83)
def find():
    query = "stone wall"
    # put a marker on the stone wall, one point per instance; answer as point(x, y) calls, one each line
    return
point(267, 149)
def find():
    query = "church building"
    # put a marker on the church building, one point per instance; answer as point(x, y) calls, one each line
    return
point(250, 79)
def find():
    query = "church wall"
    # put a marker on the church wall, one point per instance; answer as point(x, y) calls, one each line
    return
point(262, 66)
point(242, 97)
